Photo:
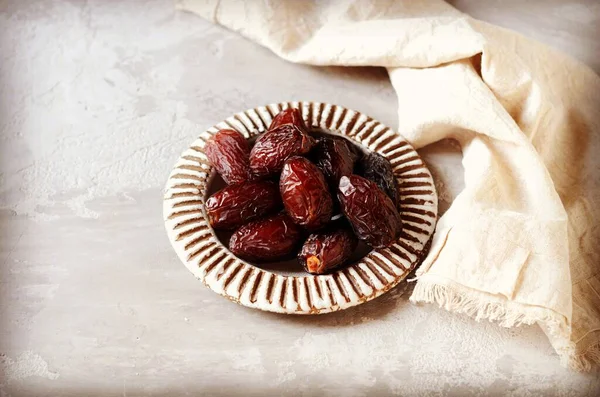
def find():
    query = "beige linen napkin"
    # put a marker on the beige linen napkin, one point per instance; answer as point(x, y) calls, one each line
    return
point(520, 244)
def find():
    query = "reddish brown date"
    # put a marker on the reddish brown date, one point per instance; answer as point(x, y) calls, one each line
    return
point(288, 116)
point(335, 158)
point(371, 212)
point(274, 147)
point(235, 205)
point(266, 239)
point(228, 151)
point(323, 252)
point(378, 169)
point(305, 194)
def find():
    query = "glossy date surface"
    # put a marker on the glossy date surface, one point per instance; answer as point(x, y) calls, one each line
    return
point(289, 116)
point(327, 250)
point(235, 205)
point(268, 239)
point(335, 158)
point(228, 151)
point(372, 214)
point(275, 146)
point(305, 193)
point(378, 169)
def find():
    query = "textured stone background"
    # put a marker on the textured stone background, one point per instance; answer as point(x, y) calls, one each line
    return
point(97, 100)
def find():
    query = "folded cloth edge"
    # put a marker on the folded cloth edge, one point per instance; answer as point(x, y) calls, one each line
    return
point(481, 305)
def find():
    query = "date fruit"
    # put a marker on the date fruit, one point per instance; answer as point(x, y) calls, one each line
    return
point(370, 211)
point(378, 169)
point(274, 147)
point(323, 252)
point(266, 239)
point(305, 194)
point(235, 205)
point(228, 151)
point(335, 158)
point(288, 116)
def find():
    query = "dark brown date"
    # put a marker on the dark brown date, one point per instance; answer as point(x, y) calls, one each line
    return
point(305, 194)
point(323, 252)
point(288, 116)
point(228, 151)
point(266, 239)
point(378, 169)
point(335, 158)
point(274, 147)
point(371, 212)
point(235, 205)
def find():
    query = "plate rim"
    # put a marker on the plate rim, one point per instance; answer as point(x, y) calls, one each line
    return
point(209, 260)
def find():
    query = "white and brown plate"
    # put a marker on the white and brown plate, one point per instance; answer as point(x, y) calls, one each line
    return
point(208, 259)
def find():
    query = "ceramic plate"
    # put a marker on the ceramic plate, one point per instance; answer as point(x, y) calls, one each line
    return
point(257, 287)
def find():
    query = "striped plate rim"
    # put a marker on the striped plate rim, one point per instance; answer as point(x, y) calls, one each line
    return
point(199, 249)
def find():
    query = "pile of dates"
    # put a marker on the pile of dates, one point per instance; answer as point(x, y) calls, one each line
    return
point(295, 193)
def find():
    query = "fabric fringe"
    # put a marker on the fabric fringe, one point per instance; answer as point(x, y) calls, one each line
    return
point(584, 362)
point(479, 306)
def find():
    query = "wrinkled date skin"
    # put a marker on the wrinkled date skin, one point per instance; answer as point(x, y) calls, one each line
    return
point(378, 169)
point(335, 158)
point(235, 205)
point(305, 193)
point(228, 151)
point(323, 252)
point(288, 116)
point(371, 212)
point(274, 147)
point(268, 239)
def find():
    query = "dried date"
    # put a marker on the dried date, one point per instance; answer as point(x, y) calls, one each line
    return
point(238, 204)
point(323, 252)
point(370, 211)
point(305, 193)
point(335, 158)
point(378, 169)
point(268, 239)
point(289, 116)
point(274, 147)
point(228, 151)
